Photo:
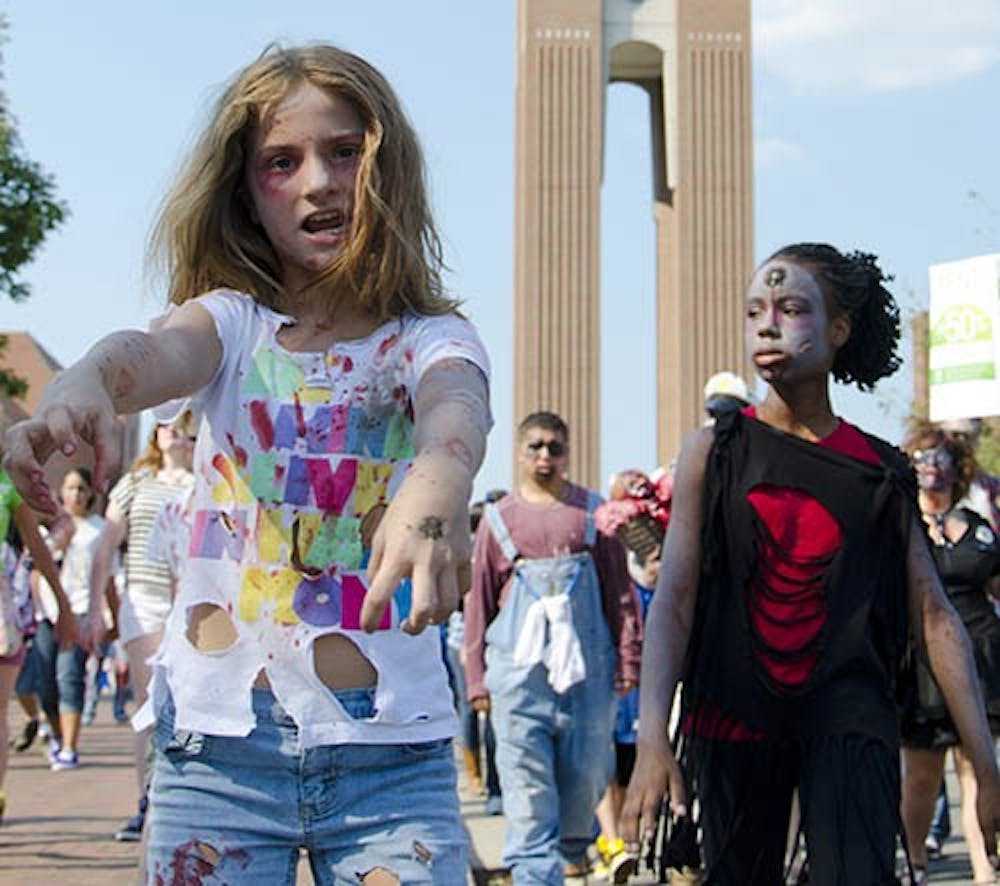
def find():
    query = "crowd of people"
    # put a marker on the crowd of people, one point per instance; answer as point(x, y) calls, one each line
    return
point(82, 595)
point(771, 624)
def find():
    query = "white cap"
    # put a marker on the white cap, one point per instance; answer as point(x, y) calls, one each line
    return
point(727, 384)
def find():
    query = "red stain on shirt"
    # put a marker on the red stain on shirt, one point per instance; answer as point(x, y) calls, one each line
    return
point(262, 425)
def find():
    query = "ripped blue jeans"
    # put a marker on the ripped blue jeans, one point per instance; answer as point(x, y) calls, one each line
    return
point(238, 810)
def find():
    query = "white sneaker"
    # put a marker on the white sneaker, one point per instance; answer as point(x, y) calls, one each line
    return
point(65, 760)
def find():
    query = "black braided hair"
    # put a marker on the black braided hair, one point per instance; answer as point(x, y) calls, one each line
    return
point(854, 281)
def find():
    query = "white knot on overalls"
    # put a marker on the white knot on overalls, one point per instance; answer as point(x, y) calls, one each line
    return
point(548, 636)
point(543, 613)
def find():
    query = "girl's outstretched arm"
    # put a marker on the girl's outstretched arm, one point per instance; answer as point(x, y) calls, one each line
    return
point(424, 535)
point(124, 372)
point(668, 630)
point(954, 668)
point(27, 526)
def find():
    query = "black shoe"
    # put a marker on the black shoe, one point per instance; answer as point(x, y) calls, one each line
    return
point(26, 738)
point(131, 831)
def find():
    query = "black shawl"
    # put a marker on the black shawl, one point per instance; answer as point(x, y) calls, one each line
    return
point(863, 646)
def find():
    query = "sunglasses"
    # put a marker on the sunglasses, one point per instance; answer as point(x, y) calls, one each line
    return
point(554, 447)
point(938, 457)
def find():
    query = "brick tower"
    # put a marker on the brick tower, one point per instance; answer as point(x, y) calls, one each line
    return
point(692, 57)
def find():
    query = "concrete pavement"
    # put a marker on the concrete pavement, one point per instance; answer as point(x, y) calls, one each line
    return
point(58, 826)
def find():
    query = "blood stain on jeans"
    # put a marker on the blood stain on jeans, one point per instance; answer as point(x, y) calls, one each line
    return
point(195, 860)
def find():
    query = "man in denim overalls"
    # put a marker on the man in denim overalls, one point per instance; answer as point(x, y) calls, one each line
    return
point(551, 631)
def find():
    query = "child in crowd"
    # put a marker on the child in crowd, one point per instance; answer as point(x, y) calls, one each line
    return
point(343, 407)
point(614, 859)
point(637, 512)
point(72, 538)
point(14, 512)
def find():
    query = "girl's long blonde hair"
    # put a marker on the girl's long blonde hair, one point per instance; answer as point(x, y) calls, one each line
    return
point(205, 237)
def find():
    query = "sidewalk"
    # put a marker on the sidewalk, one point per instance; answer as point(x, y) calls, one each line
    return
point(59, 825)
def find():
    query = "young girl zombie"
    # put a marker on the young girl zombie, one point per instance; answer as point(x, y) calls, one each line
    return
point(793, 574)
point(299, 702)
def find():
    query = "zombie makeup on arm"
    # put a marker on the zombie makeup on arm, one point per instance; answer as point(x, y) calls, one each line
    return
point(453, 413)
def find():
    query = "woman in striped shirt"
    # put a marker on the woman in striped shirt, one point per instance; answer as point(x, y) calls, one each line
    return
point(160, 474)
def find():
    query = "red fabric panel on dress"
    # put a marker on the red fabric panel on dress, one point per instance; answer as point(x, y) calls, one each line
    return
point(785, 603)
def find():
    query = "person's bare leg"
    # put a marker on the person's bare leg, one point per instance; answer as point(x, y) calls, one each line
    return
point(29, 704)
point(922, 770)
point(605, 813)
point(138, 653)
point(609, 813)
point(69, 727)
point(473, 772)
point(982, 870)
point(8, 677)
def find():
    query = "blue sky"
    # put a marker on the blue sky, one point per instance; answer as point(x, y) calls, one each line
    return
point(871, 131)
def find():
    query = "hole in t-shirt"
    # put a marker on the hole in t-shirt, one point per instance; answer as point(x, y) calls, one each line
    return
point(210, 629)
point(341, 665)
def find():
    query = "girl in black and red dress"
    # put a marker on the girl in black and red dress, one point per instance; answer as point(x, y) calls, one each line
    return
point(793, 570)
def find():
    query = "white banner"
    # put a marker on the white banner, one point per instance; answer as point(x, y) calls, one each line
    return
point(964, 338)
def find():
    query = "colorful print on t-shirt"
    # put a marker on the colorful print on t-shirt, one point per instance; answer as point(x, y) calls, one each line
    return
point(297, 494)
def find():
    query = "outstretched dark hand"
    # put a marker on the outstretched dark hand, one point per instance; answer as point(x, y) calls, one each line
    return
point(657, 775)
point(988, 813)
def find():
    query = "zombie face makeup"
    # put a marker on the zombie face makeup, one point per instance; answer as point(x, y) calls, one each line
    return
point(300, 174)
point(775, 278)
point(935, 468)
point(787, 323)
point(543, 455)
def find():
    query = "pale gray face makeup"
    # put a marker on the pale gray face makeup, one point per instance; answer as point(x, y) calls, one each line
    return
point(786, 320)
point(935, 468)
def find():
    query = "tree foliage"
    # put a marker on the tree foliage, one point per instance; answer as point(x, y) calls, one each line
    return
point(29, 210)
point(988, 450)
point(10, 384)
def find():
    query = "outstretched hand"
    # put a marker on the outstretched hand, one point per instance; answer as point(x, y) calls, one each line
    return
point(74, 409)
point(428, 545)
point(657, 775)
